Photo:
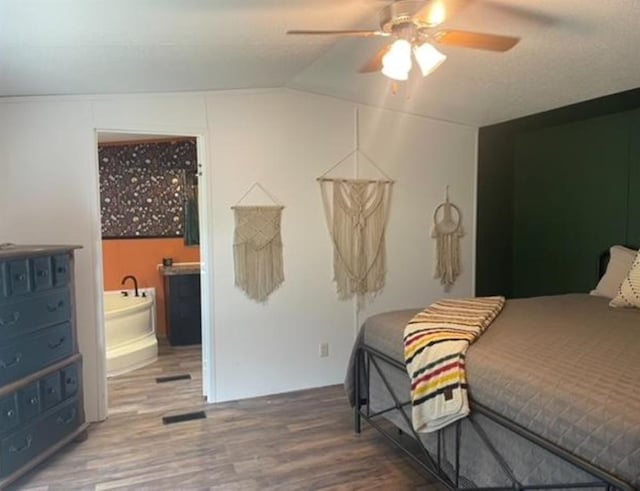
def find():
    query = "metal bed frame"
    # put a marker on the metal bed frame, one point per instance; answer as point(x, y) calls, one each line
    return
point(368, 359)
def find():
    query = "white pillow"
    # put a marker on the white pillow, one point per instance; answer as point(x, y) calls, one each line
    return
point(620, 262)
point(629, 292)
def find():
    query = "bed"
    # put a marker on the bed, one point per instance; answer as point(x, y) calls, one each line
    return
point(554, 388)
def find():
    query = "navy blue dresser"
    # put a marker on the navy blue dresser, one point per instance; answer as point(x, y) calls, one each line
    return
point(41, 406)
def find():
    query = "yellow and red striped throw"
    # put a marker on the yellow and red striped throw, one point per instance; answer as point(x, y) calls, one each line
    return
point(435, 344)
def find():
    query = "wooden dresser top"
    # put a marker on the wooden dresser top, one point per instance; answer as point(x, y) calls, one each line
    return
point(11, 251)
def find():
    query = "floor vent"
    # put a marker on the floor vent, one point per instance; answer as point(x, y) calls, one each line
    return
point(172, 378)
point(179, 418)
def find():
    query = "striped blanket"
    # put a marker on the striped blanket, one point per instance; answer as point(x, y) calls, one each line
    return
point(435, 343)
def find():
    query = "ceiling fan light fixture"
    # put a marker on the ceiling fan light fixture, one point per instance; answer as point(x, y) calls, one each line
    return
point(437, 14)
point(428, 58)
point(396, 63)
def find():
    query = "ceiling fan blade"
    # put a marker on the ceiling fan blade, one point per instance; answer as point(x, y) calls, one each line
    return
point(360, 33)
point(435, 12)
point(375, 63)
point(477, 40)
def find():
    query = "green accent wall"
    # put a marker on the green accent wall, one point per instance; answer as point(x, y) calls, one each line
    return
point(495, 215)
point(555, 190)
point(633, 228)
point(571, 198)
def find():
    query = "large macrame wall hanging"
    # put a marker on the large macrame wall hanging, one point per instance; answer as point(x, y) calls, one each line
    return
point(447, 230)
point(257, 248)
point(357, 217)
point(356, 212)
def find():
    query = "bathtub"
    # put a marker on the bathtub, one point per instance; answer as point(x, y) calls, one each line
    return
point(130, 331)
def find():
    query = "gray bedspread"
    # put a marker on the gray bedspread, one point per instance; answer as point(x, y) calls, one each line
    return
point(566, 367)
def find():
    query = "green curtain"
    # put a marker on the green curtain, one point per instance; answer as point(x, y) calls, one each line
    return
point(191, 227)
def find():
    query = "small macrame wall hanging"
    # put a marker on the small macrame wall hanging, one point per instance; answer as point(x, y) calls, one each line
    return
point(447, 230)
point(356, 211)
point(257, 247)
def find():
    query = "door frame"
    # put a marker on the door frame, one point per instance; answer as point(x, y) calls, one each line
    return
point(206, 265)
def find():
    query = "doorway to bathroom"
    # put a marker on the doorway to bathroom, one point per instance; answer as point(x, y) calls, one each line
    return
point(150, 204)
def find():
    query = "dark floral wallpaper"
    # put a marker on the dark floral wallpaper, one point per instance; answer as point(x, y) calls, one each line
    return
point(142, 188)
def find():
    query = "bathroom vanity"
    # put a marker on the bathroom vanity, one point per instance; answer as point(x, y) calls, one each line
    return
point(182, 303)
point(41, 397)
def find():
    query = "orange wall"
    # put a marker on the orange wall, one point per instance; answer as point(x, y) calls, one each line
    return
point(140, 257)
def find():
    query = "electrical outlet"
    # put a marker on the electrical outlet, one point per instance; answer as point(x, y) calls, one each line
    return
point(324, 350)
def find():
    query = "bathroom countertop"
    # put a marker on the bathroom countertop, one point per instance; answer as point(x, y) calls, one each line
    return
point(179, 268)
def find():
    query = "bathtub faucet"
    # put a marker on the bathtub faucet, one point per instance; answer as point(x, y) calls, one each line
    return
point(135, 282)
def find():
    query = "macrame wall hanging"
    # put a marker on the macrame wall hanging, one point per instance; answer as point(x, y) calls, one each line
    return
point(356, 212)
point(257, 247)
point(447, 230)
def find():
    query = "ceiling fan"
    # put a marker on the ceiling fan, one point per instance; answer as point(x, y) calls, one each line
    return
point(414, 26)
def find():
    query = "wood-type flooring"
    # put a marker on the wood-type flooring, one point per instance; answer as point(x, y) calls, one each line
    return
point(296, 441)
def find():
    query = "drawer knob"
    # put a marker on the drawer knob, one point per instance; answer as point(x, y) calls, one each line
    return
point(10, 413)
point(27, 444)
point(20, 277)
point(16, 359)
point(33, 401)
point(55, 307)
point(11, 320)
point(51, 390)
point(68, 419)
point(61, 270)
point(70, 381)
point(42, 273)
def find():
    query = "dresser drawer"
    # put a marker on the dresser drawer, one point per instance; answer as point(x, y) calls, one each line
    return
point(70, 381)
point(32, 313)
point(17, 277)
point(29, 402)
point(4, 282)
point(61, 272)
point(8, 413)
point(51, 391)
point(23, 445)
point(34, 352)
point(41, 269)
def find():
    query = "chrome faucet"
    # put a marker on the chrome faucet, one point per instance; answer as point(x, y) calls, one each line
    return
point(135, 283)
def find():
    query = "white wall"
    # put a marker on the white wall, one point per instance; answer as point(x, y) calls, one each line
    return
point(283, 139)
point(48, 176)
point(423, 156)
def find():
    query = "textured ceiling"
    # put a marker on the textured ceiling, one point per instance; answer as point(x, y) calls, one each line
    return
point(571, 50)
point(106, 46)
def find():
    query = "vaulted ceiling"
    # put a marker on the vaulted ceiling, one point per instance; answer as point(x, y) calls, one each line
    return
point(571, 50)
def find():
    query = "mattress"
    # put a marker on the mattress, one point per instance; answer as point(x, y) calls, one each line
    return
point(565, 367)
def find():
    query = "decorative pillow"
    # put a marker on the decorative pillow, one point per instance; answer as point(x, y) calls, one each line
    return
point(620, 262)
point(629, 293)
